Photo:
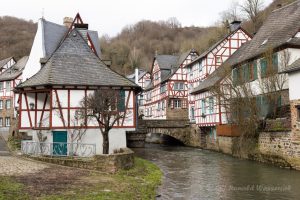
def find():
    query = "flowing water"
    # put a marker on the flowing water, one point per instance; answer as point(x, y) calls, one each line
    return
point(191, 173)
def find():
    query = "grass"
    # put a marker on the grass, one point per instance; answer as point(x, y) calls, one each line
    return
point(139, 182)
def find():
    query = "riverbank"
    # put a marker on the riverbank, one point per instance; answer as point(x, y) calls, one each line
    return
point(57, 182)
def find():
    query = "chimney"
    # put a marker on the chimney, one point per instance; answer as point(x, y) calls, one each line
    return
point(136, 76)
point(68, 21)
point(234, 25)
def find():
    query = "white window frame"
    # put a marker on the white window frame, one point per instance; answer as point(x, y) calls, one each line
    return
point(203, 109)
point(158, 105)
point(6, 103)
point(163, 105)
point(1, 122)
point(1, 86)
point(1, 104)
point(177, 103)
point(210, 105)
point(7, 121)
point(7, 86)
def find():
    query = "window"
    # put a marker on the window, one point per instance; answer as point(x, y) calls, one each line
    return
point(158, 106)
point(1, 104)
point(203, 106)
point(263, 67)
point(275, 62)
point(163, 105)
point(192, 113)
point(7, 121)
point(177, 103)
point(211, 105)
point(156, 76)
point(148, 96)
point(1, 121)
point(8, 104)
point(163, 88)
point(200, 66)
point(297, 35)
point(1, 85)
point(7, 85)
point(218, 60)
point(235, 76)
point(179, 86)
point(121, 102)
point(150, 111)
point(254, 70)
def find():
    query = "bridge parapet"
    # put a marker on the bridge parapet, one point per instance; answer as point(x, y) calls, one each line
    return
point(164, 123)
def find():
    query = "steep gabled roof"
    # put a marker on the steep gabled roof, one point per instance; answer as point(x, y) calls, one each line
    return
point(54, 33)
point(4, 61)
point(15, 70)
point(75, 64)
point(206, 52)
point(213, 79)
point(278, 30)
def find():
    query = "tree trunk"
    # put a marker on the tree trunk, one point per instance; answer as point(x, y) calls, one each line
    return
point(105, 142)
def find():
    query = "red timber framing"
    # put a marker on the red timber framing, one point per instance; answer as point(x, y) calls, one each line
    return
point(201, 68)
point(165, 93)
point(78, 20)
point(53, 104)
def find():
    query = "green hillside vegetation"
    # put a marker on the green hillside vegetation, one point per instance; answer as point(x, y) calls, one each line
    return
point(136, 44)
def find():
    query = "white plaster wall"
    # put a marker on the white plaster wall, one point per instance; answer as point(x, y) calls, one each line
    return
point(117, 138)
point(294, 84)
point(37, 51)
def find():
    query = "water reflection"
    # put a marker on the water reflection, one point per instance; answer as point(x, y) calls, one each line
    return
point(199, 174)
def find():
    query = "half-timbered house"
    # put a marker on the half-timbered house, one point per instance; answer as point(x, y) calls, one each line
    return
point(49, 101)
point(166, 96)
point(275, 46)
point(9, 79)
point(212, 58)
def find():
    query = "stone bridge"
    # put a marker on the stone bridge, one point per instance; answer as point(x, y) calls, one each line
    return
point(181, 130)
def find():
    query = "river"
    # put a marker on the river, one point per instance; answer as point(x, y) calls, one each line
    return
point(191, 173)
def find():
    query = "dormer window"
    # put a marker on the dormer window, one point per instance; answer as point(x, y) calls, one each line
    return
point(264, 42)
point(297, 35)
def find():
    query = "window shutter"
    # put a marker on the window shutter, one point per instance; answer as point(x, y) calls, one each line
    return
point(275, 61)
point(234, 76)
point(254, 70)
point(263, 67)
point(121, 101)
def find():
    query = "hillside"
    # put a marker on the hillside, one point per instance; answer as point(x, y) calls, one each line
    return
point(16, 37)
point(136, 44)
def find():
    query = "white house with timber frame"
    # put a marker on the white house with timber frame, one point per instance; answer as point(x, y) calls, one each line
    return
point(211, 59)
point(50, 100)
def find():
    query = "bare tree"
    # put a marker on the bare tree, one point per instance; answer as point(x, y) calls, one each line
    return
point(107, 107)
point(252, 10)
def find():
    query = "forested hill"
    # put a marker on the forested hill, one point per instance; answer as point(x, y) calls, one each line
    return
point(16, 37)
point(136, 44)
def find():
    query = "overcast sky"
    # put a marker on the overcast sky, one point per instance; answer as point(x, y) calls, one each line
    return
point(110, 16)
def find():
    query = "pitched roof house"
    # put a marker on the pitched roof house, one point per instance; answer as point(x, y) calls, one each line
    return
point(166, 95)
point(275, 45)
point(50, 99)
point(9, 79)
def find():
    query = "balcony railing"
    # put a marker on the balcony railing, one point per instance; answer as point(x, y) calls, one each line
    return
point(58, 149)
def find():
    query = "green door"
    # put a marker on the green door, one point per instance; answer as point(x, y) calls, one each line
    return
point(60, 143)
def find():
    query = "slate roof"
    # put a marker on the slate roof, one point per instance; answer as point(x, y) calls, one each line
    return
point(54, 33)
point(15, 70)
point(132, 76)
point(74, 64)
point(4, 61)
point(278, 30)
point(295, 66)
point(212, 79)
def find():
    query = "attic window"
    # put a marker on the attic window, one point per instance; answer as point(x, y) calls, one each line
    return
point(264, 42)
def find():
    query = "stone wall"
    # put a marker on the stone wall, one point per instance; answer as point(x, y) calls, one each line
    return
point(110, 163)
point(279, 148)
point(177, 113)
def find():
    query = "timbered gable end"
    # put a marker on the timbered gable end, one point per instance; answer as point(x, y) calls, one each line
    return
point(58, 109)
